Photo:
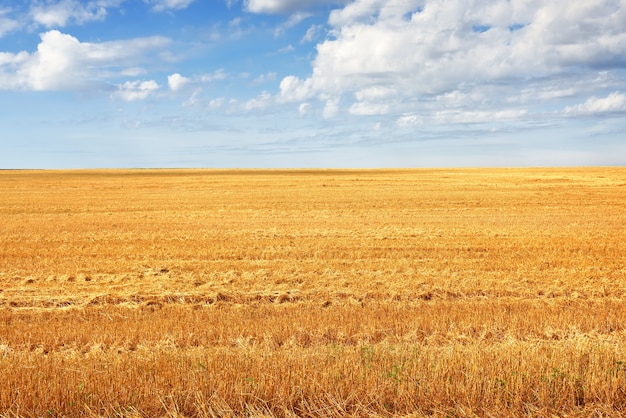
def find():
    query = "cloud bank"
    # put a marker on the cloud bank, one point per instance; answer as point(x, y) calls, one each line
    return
point(384, 56)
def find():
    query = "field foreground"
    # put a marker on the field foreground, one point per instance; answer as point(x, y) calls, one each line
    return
point(197, 293)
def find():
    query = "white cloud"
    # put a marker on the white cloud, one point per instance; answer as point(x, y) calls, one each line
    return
point(285, 6)
point(460, 116)
point(177, 82)
point(219, 74)
point(556, 93)
point(546, 94)
point(132, 71)
point(312, 33)
point(304, 109)
point(60, 13)
point(369, 109)
point(9, 63)
point(614, 102)
point(162, 5)
point(331, 108)
point(408, 121)
point(396, 54)
point(265, 78)
point(354, 12)
point(62, 62)
point(375, 93)
point(261, 102)
point(216, 103)
point(477, 116)
point(292, 89)
point(56, 64)
point(292, 21)
point(10, 59)
point(457, 98)
point(288, 48)
point(136, 90)
point(195, 100)
point(7, 24)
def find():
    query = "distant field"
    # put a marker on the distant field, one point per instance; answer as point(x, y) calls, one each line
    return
point(199, 293)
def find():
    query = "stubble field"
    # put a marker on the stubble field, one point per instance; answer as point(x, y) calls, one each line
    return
point(198, 293)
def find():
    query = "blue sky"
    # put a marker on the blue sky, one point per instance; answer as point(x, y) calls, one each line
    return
point(303, 83)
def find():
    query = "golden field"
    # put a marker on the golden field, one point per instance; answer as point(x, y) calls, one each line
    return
point(200, 293)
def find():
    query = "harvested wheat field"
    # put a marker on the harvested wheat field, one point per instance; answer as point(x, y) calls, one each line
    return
point(334, 293)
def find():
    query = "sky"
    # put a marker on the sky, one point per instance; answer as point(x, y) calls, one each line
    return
point(312, 83)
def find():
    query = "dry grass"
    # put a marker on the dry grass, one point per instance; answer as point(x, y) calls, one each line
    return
point(207, 293)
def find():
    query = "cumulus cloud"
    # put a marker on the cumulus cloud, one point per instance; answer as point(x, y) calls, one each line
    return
point(292, 89)
point(614, 102)
point(136, 90)
point(388, 54)
point(62, 62)
point(177, 82)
